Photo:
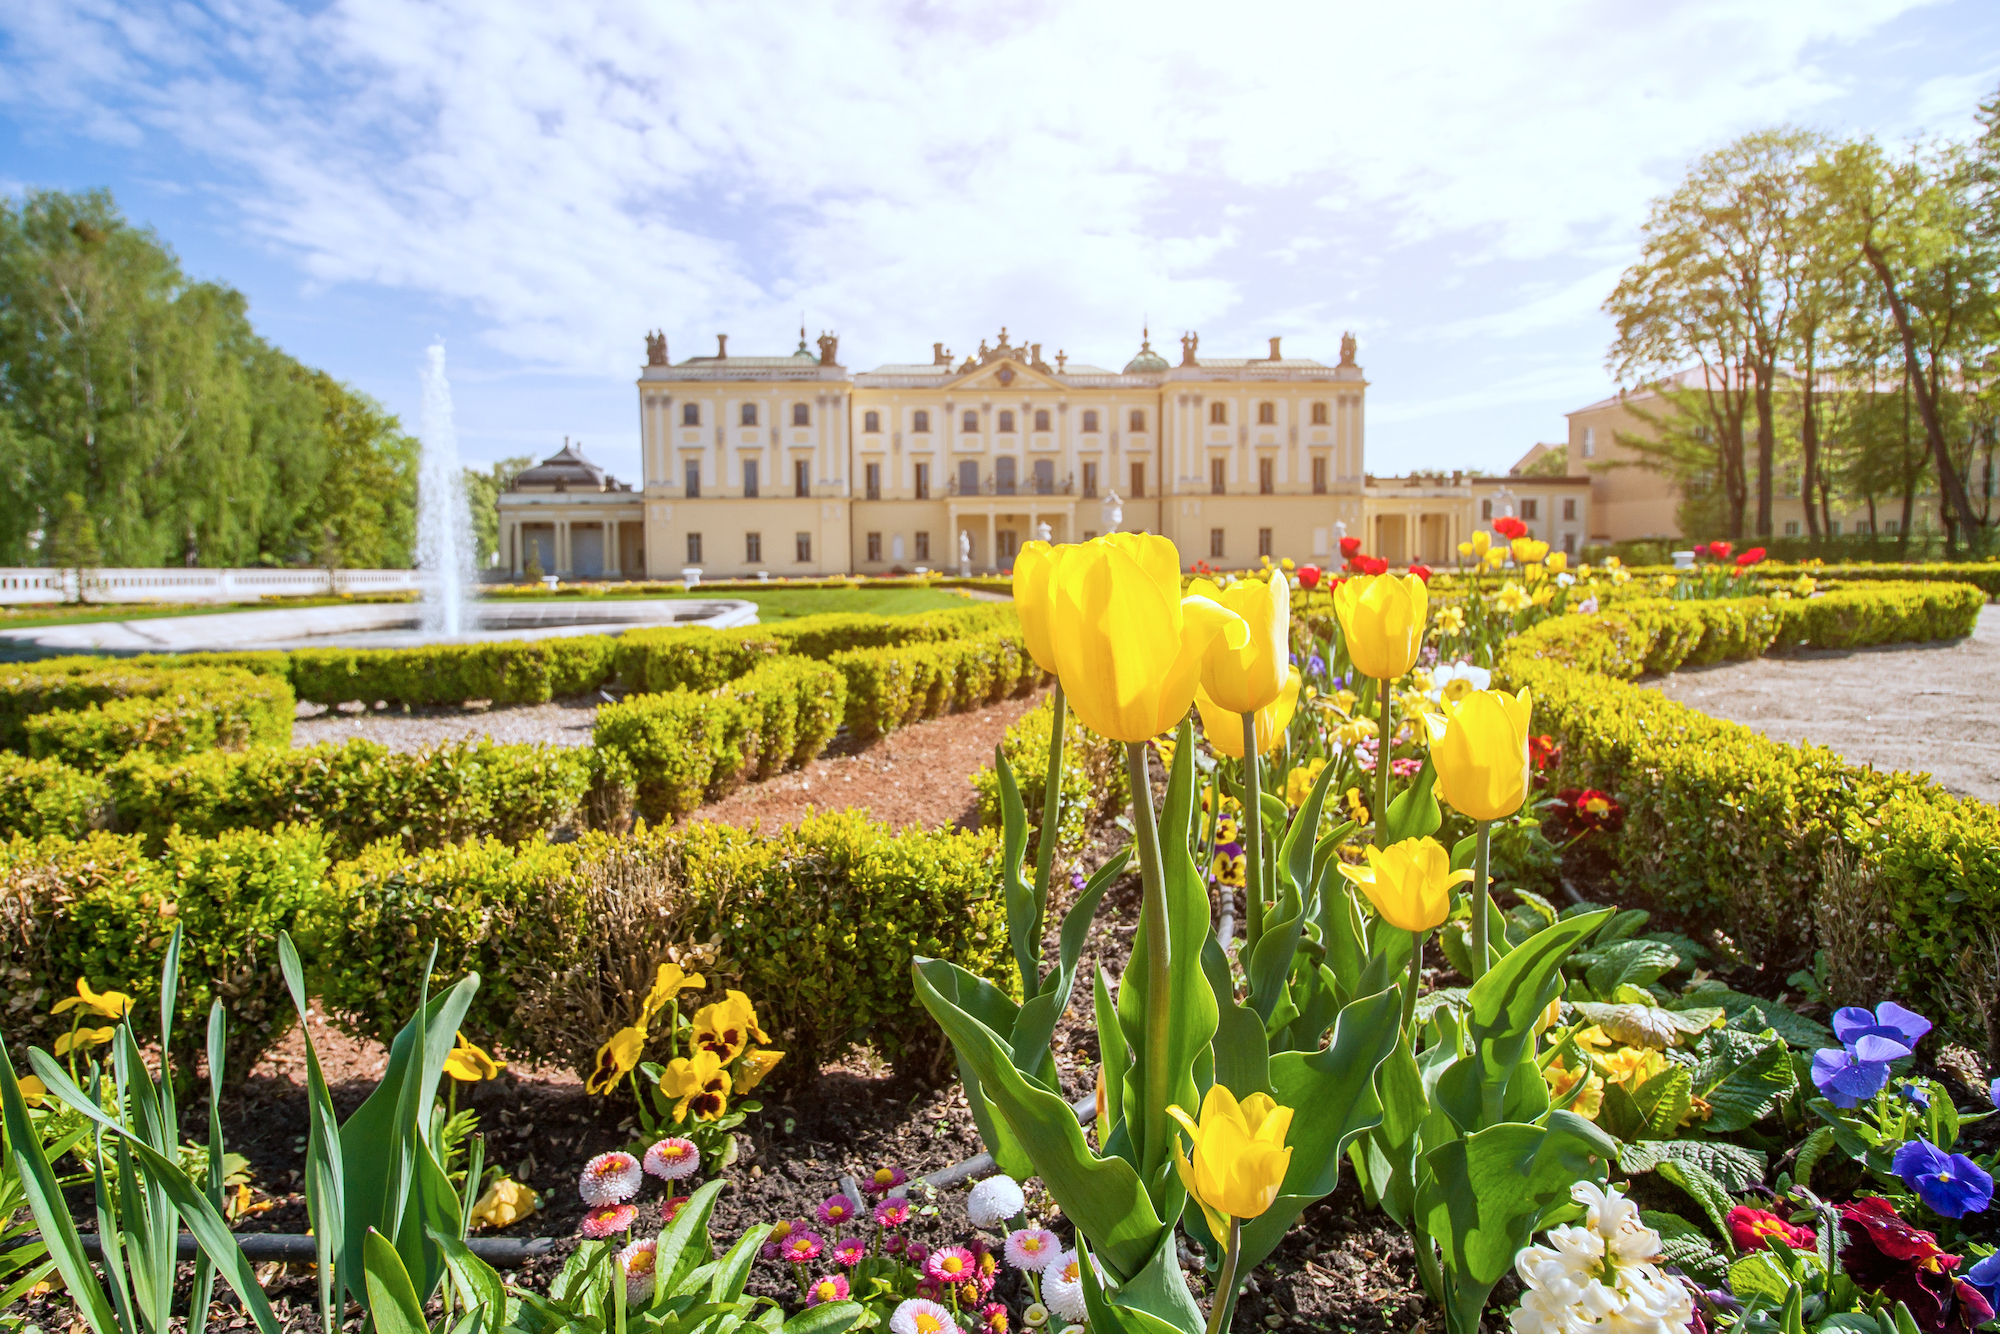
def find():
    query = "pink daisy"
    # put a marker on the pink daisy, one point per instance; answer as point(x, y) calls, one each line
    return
point(894, 1243)
point(779, 1231)
point(672, 1159)
point(833, 1288)
point(993, 1319)
point(885, 1180)
point(835, 1210)
point(802, 1246)
point(921, 1315)
point(849, 1252)
point(609, 1178)
point(892, 1212)
point(951, 1264)
point(916, 1253)
point(988, 1266)
point(1031, 1249)
point(607, 1220)
point(670, 1207)
point(638, 1262)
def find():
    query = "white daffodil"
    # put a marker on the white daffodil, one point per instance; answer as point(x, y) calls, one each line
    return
point(1453, 681)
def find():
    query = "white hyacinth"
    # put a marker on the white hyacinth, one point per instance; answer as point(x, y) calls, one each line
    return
point(994, 1201)
point(1601, 1274)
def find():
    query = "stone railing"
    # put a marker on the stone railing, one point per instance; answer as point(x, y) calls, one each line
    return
point(29, 584)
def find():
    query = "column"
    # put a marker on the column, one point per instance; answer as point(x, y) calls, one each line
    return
point(991, 562)
point(611, 531)
point(562, 547)
point(513, 542)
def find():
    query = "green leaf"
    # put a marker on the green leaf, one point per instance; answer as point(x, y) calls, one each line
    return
point(1024, 914)
point(1113, 1057)
point(1703, 1188)
point(1638, 963)
point(826, 1318)
point(1242, 1057)
point(1482, 1196)
point(392, 1298)
point(1501, 1009)
point(1758, 1275)
point(1648, 1025)
point(1687, 1247)
point(1756, 1014)
point(1741, 1076)
point(44, 1198)
point(1155, 1300)
point(1814, 1148)
point(481, 1283)
point(1663, 1100)
point(1732, 1166)
point(1414, 812)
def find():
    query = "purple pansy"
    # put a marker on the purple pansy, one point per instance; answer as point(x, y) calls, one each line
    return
point(1851, 1023)
point(1950, 1184)
point(1848, 1076)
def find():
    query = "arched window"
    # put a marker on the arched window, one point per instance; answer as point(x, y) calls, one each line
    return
point(801, 415)
point(1007, 419)
point(1319, 414)
point(920, 421)
point(749, 414)
point(969, 423)
point(690, 414)
point(1267, 414)
point(1218, 414)
point(1090, 419)
point(1041, 419)
point(1138, 419)
point(871, 422)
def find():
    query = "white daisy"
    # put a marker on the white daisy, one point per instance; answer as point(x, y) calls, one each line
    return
point(994, 1201)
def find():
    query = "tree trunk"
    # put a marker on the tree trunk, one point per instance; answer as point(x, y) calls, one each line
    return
point(1766, 447)
point(1809, 446)
point(1951, 487)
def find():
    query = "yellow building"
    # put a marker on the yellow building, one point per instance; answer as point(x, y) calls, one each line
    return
point(796, 465)
point(1423, 517)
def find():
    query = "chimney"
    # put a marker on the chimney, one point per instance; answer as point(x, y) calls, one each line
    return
point(1274, 349)
point(939, 357)
point(722, 347)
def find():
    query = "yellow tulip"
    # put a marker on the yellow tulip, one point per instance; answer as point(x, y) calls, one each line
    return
point(504, 1202)
point(668, 983)
point(1128, 646)
point(1482, 541)
point(469, 1064)
point(1557, 562)
point(83, 1038)
point(1409, 882)
point(109, 1004)
point(1239, 1157)
point(1497, 557)
point(1224, 727)
point(756, 1063)
point(616, 1059)
point(1527, 550)
point(1034, 599)
point(1465, 548)
point(700, 1083)
point(1382, 620)
point(1246, 679)
point(1480, 748)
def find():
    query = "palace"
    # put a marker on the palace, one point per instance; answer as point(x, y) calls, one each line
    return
point(796, 465)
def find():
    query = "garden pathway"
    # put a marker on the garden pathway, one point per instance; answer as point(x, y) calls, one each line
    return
point(1927, 708)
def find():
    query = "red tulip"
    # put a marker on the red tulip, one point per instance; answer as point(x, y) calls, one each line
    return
point(1510, 527)
point(1422, 572)
point(1349, 545)
point(1308, 577)
point(1750, 557)
point(1720, 550)
point(1372, 565)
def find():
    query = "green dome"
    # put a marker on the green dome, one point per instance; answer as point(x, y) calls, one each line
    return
point(1147, 360)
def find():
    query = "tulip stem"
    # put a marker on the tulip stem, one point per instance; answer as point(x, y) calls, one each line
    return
point(1222, 1307)
point(1153, 921)
point(1416, 981)
point(1045, 851)
point(1253, 828)
point(1382, 765)
point(1480, 897)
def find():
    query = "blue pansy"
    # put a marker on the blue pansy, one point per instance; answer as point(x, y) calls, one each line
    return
point(1914, 1095)
point(1315, 665)
point(1951, 1184)
point(1985, 1276)
point(1850, 1075)
point(1890, 1020)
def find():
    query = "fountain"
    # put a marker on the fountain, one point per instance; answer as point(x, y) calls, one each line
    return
point(444, 519)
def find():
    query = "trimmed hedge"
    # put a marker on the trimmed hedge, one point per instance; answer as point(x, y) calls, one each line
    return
point(360, 792)
point(90, 716)
point(890, 687)
point(693, 658)
point(504, 671)
point(1095, 784)
point(1724, 823)
point(40, 797)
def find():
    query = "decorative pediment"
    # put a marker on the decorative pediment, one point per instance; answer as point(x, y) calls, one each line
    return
point(1004, 376)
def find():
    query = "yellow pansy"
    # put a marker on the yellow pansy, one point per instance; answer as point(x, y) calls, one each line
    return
point(1230, 869)
point(1224, 728)
point(1299, 782)
point(668, 983)
point(1239, 1157)
point(1480, 748)
point(755, 1065)
point(616, 1059)
point(700, 1083)
point(727, 1027)
point(469, 1064)
point(1382, 622)
point(1408, 882)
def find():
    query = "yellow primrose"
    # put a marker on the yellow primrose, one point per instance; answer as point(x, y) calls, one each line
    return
point(1357, 809)
point(1512, 598)
point(1224, 729)
point(82, 1039)
point(1034, 598)
point(727, 1026)
point(1562, 1079)
point(469, 1064)
point(755, 1065)
point(1480, 748)
point(1165, 745)
point(1239, 1156)
point(1129, 647)
point(109, 1004)
point(616, 1059)
point(1527, 550)
point(1409, 882)
point(1299, 782)
point(1382, 622)
point(1249, 678)
point(668, 983)
point(700, 1083)
point(504, 1203)
point(1632, 1066)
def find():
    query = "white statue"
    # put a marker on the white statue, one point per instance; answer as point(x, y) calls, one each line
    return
point(965, 553)
point(1043, 531)
point(1112, 511)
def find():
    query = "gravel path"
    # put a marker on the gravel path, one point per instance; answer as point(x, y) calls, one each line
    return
point(562, 722)
point(1929, 708)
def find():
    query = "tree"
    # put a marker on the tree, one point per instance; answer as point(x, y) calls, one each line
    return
point(73, 540)
point(365, 504)
point(482, 493)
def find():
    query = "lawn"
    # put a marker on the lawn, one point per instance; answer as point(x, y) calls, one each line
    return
point(784, 604)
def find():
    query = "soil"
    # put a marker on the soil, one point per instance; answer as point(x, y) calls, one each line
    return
point(561, 722)
point(1925, 708)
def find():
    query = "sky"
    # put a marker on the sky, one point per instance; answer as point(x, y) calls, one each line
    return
point(540, 184)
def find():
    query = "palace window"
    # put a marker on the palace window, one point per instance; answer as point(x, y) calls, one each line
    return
point(1569, 543)
point(801, 415)
point(920, 422)
point(874, 481)
point(1218, 415)
point(923, 546)
point(1003, 476)
point(1009, 543)
point(923, 481)
point(1007, 420)
point(1090, 481)
point(1531, 509)
point(1138, 487)
point(968, 477)
point(1041, 419)
point(749, 414)
point(1090, 420)
point(753, 548)
point(1589, 442)
point(690, 414)
point(1319, 475)
point(1267, 414)
point(802, 482)
point(969, 423)
point(694, 549)
point(1218, 477)
point(749, 477)
point(1791, 528)
point(1264, 542)
point(692, 474)
point(871, 422)
point(1215, 543)
point(1137, 421)
point(874, 546)
point(1485, 509)
point(804, 545)
point(1319, 414)
point(1569, 507)
point(1267, 476)
point(1045, 477)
